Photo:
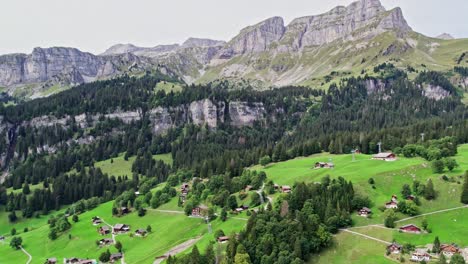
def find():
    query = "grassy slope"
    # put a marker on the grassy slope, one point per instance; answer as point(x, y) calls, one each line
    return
point(122, 167)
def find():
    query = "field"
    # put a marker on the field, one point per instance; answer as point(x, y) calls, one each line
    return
point(120, 167)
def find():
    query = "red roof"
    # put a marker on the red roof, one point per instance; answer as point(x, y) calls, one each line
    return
point(410, 228)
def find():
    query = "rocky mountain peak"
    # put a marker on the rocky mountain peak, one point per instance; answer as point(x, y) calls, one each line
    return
point(120, 49)
point(445, 36)
point(256, 38)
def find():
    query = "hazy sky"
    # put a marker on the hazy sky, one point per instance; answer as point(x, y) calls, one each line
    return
point(94, 25)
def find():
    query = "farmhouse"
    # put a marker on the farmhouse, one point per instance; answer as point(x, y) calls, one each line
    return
point(184, 187)
point(121, 228)
point(124, 210)
point(327, 165)
point(364, 212)
point(410, 197)
point(80, 261)
point(449, 250)
point(141, 232)
point(420, 256)
point(394, 248)
point(285, 189)
point(199, 211)
point(106, 241)
point(115, 256)
point(410, 229)
point(391, 205)
point(386, 156)
point(51, 261)
point(104, 230)
point(96, 220)
point(223, 239)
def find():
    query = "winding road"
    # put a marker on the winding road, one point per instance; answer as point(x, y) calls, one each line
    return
point(435, 212)
point(27, 254)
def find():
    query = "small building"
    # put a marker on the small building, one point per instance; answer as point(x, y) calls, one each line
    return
point(248, 188)
point(121, 228)
point(51, 261)
point(410, 229)
point(96, 220)
point(80, 261)
point(104, 230)
point(326, 165)
point(395, 198)
point(285, 189)
point(394, 248)
point(184, 187)
point(115, 256)
point(124, 210)
point(385, 156)
point(276, 186)
point(364, 212)
point(420, 256)
point(410, 197)
point(199, 211)
point(2, 238)
point(223, 239)
point(391, 205)
point(141, 232)
point(449, 249)
point(106, 241)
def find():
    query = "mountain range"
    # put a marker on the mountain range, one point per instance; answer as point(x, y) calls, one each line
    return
point(311, 50)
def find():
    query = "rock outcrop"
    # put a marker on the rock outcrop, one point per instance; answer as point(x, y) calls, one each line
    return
point(435, 92)
point(445, 36)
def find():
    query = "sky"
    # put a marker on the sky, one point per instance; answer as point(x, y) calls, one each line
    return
point(95, 25)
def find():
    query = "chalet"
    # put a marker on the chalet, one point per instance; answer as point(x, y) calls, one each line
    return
point(394, 248)
point(106, 241)
point(410, 229)
point(121, 228)
point(394, 198)
point(420, 256)
point(364, 212)
point(124, 210)
point(238, 210)
point(285, 189)
point(80, 261)
point(357, 151)
point(51, 261)
point(115, 256)
point(141, 232)
point(104, 230)
point(391, 205)
point(326, 165)
point(96, 220)
point(199, 211)
point(184, 187)
point(386, 156)
point(276, 186)
point(449, 250)
point(223, 239)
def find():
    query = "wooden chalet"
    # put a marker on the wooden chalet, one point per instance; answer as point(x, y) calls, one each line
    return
point(385, 156)
point(326, 165)
point(124, 210)
point(420, 256)
point(199, 211)
point(96, 220)
point(449, 249)
point(106, 241)
point(121, 228)
point(410, 229)
point(285, 189)
point(223, 239)
point(141, 232)
point(51, 261)
point(391, 205)
point(104, 230)
point(80, 261)
point(394, 248)
point(115, 256)
point(364, 212)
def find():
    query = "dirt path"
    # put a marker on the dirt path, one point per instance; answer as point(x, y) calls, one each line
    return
point(166, 211)
point(435, 212)
point(366, 236)
point(27, 254)
point(112, 230)
point(177, 249)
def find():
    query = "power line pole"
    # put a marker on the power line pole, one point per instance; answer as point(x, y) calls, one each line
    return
point(380, 146)
point(353, 152)
point(422, 137)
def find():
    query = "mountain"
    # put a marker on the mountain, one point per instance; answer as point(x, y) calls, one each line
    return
point(311, 50)
point(445, 36)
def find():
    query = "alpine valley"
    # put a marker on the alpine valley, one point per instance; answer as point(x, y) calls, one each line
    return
point(337, 138)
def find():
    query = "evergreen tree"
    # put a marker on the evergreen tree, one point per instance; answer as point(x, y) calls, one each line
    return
point(436, 246)
point(16, 242)
point(406, 191)
point(457, 259)
point(223, 215)
point(464, 194)
point(429, 192)
point(105, 256)
point(195, 257)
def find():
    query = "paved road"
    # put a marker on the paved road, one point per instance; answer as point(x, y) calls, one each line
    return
point(177, 249)
point(435, 212)
point(29, 255)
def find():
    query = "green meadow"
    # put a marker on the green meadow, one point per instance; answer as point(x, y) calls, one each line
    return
point(118, 166)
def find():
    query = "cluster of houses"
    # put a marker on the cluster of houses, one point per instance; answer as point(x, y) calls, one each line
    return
point(385, 156)
point(117, 229)
point(393, 204)
point(184, 189)
point(324, 165)
point(424, 254)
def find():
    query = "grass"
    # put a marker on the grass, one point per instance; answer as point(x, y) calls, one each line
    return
point(120, 167)
point(168, 87)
